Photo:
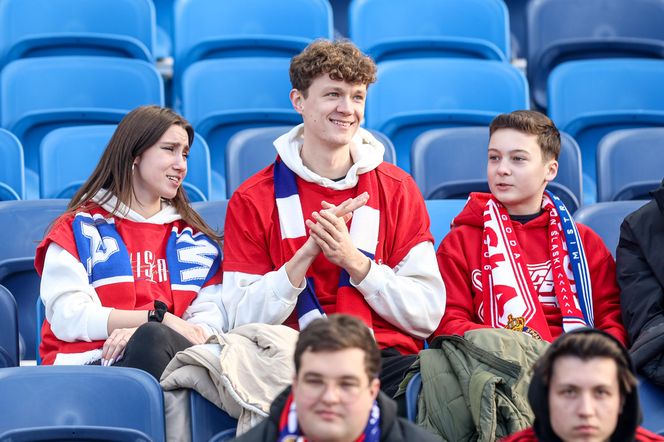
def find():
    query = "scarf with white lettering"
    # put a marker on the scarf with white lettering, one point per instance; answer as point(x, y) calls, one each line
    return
point(510, 298)
point(289, 428)
point(363, 232)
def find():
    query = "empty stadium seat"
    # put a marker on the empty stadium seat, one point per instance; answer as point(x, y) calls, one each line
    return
point(8, 330)
point(564, 30)
point(251, 150)
point(213, 212)
point(451, 163)
point(221, 97)
point(22, 227)
point(590, 98)
point(80, 402)
point(605, 219)
point(630, 163)
point(207, 29)
point(38, 95)
point(121, 28)
point(412, 96)
point(396, 29)
point(12, 172)
point(69, 155)
point(441, 213)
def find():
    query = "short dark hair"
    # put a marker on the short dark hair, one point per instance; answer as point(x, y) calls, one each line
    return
point(585, 345)
point(531, 123)
point(341, 60)
point(339, 332)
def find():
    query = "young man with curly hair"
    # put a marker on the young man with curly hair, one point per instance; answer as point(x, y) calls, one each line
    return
point(292, 252)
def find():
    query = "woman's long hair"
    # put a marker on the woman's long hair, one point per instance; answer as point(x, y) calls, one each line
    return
point(139, 130)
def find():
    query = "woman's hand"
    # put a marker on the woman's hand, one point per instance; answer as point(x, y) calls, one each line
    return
point(115, 345)
point(194, 333)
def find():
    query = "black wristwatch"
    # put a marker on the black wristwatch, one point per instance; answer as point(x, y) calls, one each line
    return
point(157, 315)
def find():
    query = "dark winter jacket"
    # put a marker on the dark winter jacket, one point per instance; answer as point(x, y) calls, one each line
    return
point(640, 271)
point(392, 428)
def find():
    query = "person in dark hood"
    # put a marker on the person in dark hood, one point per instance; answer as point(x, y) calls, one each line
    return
point(335, 396)
point(584, 389)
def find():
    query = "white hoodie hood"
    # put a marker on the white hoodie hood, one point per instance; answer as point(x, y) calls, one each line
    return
point(365, 150)
point(166, 215)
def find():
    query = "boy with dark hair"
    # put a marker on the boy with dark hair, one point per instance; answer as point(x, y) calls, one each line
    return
point(335, 394)
point(584, 389)
point(515, 258)
point(289, 255)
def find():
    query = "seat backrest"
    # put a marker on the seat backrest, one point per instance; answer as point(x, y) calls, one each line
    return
point(8, 329)
point(605, 219)
point(444, 93)
point(651, 397)
point(76, 27)
point(23, 224)
point(389, 29)
point(213, 212)
point(207, 419)
point(441, 214)
point(627, 158)
point(211, 28)
point(592, 29)
point(81, 397)
point(251, 150)
point(222, 97)
point(69, 155)
point(456, 158)
point(41, 94)
point(12, 173)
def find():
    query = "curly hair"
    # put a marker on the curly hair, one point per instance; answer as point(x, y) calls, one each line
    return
point(531, 123)
point(341, 60)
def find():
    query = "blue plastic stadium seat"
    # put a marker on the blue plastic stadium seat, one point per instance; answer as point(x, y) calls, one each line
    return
point(412, 393)
point(590, 98)
point(12, 172)
point(222, 97)
point(9, 352)
point(396, 29)
point(69, 155)
point(121, 28)
point(412, 96)
point(22, 227)
point(441, 213)
point(451, 163)
point(605, 219)
point(80, 402)
point(213, 212)
point(207, 29)
point(251, 150)
point(564, 30)
point(38, 95)
point(207, 419)
point(651, 397)
point(630, 163)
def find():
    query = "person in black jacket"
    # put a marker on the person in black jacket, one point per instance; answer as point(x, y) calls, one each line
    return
point(335, 396)
point(640, 271)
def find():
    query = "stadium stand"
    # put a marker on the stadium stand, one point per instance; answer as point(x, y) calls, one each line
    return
point(22, 226)
point(101, 404)
point(69, 155)
point(12, 172)
point(221, 97)
point(630, 164)
point(394, 29)
point(565, 30)
point(120, 28)
point(451, 163)
point(467, 93)
point(8, 330)
point(590, 98)
point(38, 95)
point(250, 150)
point(441, 213)
point(605, 219)
point(207, 29)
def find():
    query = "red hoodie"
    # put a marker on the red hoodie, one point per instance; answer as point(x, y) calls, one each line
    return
point(459, 260)
point(528, 435)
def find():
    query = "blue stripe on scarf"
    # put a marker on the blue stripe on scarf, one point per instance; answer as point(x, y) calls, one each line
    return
point(344, 277)
point(578, 260)
point(285, 182)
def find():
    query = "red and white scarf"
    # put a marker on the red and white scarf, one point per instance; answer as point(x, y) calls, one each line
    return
point(510, 298)
point(363, 232)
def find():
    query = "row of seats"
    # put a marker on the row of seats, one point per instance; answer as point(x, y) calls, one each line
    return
point(30, 219)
